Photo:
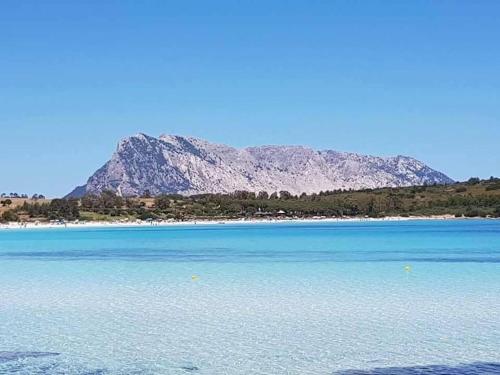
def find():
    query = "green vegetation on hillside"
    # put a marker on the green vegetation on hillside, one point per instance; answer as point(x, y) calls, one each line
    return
point(474, 198)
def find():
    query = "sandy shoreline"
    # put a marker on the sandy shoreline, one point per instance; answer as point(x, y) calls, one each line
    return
point(135, 224)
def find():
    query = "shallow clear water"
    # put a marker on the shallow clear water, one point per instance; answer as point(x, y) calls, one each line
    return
point(326, 298)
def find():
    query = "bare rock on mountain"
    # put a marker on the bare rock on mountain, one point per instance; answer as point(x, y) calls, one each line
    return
point(186, 165)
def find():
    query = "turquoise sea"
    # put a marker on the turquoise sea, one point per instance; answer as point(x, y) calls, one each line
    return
point(408, 297)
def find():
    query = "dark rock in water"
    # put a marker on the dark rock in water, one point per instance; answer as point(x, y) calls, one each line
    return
point(14, 356)
point(95, 372)
point(190, 368)
point(476, 368)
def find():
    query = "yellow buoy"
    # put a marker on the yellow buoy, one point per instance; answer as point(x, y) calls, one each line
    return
point(194, 277)
point(408, 268)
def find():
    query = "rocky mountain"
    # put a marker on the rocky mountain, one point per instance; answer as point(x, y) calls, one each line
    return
point(186, 165)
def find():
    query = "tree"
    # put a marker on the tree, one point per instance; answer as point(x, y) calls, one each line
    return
point(66, 209)
point(263, 195)
point(242, 195)
point(285, 194)
point(162, 202)
point(371, 209)
point(474, 181)
point(109, 199)
point(6, 202)
point(90, 202)
point(132, 203)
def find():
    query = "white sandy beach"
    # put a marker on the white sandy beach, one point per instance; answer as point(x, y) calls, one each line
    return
point(139, 223)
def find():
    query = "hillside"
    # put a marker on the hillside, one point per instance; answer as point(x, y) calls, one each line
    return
point(474, 198)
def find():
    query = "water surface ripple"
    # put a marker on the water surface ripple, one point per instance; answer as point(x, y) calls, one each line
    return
point(413, 297)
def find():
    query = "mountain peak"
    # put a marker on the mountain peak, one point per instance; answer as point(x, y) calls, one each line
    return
point(188, 165)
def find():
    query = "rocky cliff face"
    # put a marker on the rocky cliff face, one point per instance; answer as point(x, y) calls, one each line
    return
point(185, 165)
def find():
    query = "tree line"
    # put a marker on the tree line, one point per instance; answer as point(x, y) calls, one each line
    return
point(474, 198)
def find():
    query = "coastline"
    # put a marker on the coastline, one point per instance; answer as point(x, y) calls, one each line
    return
point(139, 223)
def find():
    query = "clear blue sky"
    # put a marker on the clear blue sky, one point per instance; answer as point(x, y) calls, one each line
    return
point(420, 78)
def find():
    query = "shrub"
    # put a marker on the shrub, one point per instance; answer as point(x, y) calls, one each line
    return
point(472, 212)
point(496, 213)
point(493, 187)
point(10, 215)
point(147, 215)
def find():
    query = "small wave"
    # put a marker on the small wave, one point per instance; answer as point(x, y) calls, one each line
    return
point(476, 368)
point(14, 356)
